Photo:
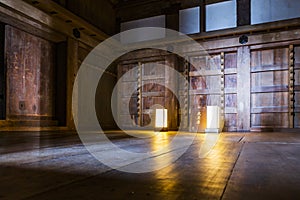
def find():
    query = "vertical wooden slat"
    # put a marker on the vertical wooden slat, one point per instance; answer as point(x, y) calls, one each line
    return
point(291, 82)
point(243, 89)
point(72, 68)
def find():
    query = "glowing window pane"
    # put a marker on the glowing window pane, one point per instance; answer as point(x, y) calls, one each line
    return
point(189, 20)
point(221, 15)
point(263, 11)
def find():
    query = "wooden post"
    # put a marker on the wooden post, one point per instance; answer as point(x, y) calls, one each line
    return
point(72, 68)
point(291, 86)
point(203, 16)
point(243, 89)
point(243, 12)
point(2, 74)
point(171, 81)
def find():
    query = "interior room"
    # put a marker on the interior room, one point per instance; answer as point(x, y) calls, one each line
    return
point(149, 99)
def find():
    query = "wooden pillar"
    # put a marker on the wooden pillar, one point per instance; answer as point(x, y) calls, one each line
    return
point(2, 74)
point(171, 103)
point(243, 89)
point(202, 16)
point(243, 12)
point(72, 68)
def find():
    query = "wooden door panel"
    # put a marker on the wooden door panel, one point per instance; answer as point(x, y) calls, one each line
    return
point(270, 120)
point(269, 88)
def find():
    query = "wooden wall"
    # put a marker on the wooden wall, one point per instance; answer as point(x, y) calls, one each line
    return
point(152, 90)
point(30, 76)
point(256, 85)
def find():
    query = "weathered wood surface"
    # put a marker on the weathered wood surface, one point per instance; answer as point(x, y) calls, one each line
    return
point(269, 88)
point(30, 72)
point(243, 88)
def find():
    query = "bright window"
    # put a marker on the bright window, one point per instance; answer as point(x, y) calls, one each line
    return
point(221, 15)
point(263, 11)
point(189, 20)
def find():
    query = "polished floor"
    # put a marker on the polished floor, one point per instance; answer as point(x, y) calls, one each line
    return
point(56, 165)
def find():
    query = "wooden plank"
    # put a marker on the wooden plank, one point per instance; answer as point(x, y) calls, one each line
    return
point(206, 73)
point(230, 90)
point(230, 110)
point(266, 68)
point(231, 121)
point(270, 120)
point(230, 71)
point(270, 109)
point(276, 99)
point(231, 81)
point(205, 91)
point(276, 88)
point(243, 89)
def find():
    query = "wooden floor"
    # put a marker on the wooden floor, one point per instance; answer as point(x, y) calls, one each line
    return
point(55, 165)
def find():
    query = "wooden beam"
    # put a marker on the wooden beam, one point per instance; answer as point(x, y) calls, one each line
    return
point(243, 12)
point(57, 11)
point(36, 17)
point(26, 24)
point(243, 89)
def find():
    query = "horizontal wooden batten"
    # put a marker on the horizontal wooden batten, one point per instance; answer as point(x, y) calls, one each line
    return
point(146, 78)
point(153, 94)
point(266, 68)
point(206, 73)
point(273, 109)
point(205, 92)
point(297, 66)
point(265, 89)
point(230, 90)
point(230, 71)
point(230, 110)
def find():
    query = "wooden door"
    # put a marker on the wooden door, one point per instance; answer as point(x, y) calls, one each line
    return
point(152, 92)
point(269, 88)
point(205, 88)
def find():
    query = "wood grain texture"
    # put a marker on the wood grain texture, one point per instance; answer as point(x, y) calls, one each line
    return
point(243, 88)
point(30, 70)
